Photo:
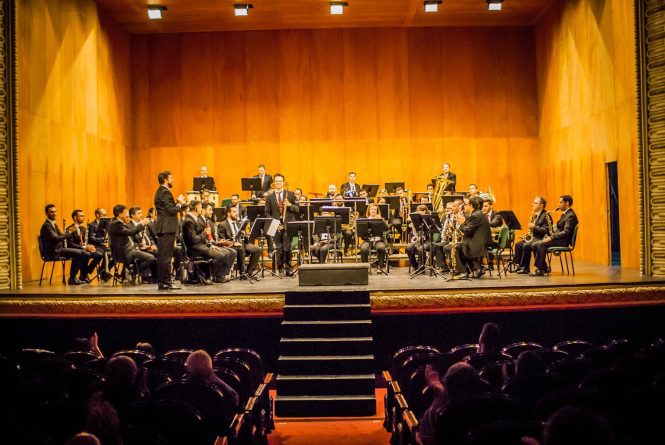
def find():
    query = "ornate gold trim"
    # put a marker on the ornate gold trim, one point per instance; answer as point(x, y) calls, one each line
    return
point(10, 235)
point(272, 305)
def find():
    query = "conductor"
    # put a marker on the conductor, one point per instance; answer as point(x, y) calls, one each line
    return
point(165, 228)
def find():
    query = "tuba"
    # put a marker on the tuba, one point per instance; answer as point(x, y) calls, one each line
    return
point(437, 196)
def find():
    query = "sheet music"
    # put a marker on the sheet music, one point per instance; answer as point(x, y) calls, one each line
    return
point(273, 227)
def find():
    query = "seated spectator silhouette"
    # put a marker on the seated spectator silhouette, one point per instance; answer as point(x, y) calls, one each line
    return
point(460, 382)
point(121, 388)
point(146, 347)
point(102, 420)
point(489, 347)
point(577, 426)
point(198, 369)
point(530, 381)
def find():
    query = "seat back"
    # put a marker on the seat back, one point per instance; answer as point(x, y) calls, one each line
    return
point(573, 239)
point(250, 357)
point(515, 349)
point(138, 356)
point(41, 247)
point(460, 352)
point(178, 355)
point(503, 237)
point(79, 358)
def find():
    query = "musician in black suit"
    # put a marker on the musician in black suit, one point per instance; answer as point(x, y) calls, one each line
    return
point(266, 181)
point(97, 237)
point(78, 239)
point(124, 248)
point(539, 228)
point(53, 243)
point(451, 177)
point(241, 209)
point(350, 189)
point(282, 206)
point(227, 231)
point(143, 239)
point(197, 240)
point(476, 230)
point(419, 244)
point(496, 221)
point(562, 236)
point(166, 227)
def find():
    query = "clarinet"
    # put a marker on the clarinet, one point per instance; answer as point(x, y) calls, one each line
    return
point(64, 230)
point(215, 235)
point(85, 236)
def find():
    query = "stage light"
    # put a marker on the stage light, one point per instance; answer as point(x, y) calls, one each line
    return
point(337, 8)
point(156, 12)
point(494, 5)
point(432, 5)
point(241, 10)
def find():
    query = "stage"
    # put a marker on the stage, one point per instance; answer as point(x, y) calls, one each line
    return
point(592, 286)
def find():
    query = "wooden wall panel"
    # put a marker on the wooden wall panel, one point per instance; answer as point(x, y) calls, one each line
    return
point(392, 104)
point(74, 105)
point(587, 109)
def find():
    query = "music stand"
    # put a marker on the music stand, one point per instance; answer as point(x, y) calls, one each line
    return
point(368, 228)
point(255, 211)
point(220, 213)
point(391, 187)
point(425, 225)
point(241, 238)
point(261, 228)
point(207, 183)
point(445, 199)
point(371, 189)
point(384, 209)
point(510, 219)
point(103, 227)
point(250, 185)
point(317, 203)
point(330, 225)
point(300, 229)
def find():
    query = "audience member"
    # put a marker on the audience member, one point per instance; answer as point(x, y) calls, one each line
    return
point(102, 420)
point(83, 438)
point(577, 426)
point(198, 369)
point(121, 387)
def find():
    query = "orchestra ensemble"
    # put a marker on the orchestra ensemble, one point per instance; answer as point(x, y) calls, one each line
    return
point(441, 231)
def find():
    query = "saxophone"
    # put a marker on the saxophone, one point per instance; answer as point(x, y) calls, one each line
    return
point(529, 235)
point(550, 223)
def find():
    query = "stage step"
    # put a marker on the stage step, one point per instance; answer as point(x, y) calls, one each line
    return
point(316, 298)
point(326, 328)
point(327, 346)
point(325, 364)
point(323, 385)
point(325, 406)
point(327, 311)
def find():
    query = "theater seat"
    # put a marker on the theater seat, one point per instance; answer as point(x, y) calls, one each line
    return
point(175, 369)
point(515, 349)
point(460, 352)
point(178, 355)
point(250, 357)
point(138, 356)
point(572, 347)
point(533, 388)
point(173, 421)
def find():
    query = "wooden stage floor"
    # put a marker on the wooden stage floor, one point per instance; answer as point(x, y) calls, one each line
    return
point(592, 286)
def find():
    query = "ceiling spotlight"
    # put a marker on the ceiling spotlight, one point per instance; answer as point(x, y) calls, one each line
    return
point(242, 9)
point(337, 8)
point(494, 5)
point(432, 5)
point(156, 12)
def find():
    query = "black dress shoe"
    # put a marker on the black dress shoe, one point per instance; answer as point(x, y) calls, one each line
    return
point(477, 273)
point(538, 273)
point(523, 272)
point(167, 286)
point(74, 282)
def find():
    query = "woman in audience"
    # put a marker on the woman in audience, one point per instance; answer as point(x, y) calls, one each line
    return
point(460, 382)
point(198, 369)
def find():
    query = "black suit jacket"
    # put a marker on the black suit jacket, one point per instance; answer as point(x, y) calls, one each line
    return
point(119, 236)
point(272, 207)
point(565, 228)
point(75, 240)
point(267, 180)
point(167, 211)
point(52, 239)
point(93, 236)
point(477, 235)
point(344, 188)
point(495, 219)
point(225, 231)
point(196, 240)
point(452, 177)
point(138, 237)
point(541, 229)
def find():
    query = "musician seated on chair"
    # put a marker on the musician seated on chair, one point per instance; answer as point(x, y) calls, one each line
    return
point(430, 190)
point(363, 194)
point(235, 202)
point(332, 191)
point(196, 238)
point(228, 230)
point(79, 239)
point(401, 214)
point(53, 243)
point(538, 229)
point(562, 236)
point(348, 230)
point(97, 238)
point(419, 242)
point(476, 229)
point(443, 247)
point(496, 222)
point(321, 243)
point(123, 247)
point(143, 238)
point(378, 239)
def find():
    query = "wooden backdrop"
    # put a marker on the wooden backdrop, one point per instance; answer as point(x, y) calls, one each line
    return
point(74, 99)
point(391, 104)
point(588, 117)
